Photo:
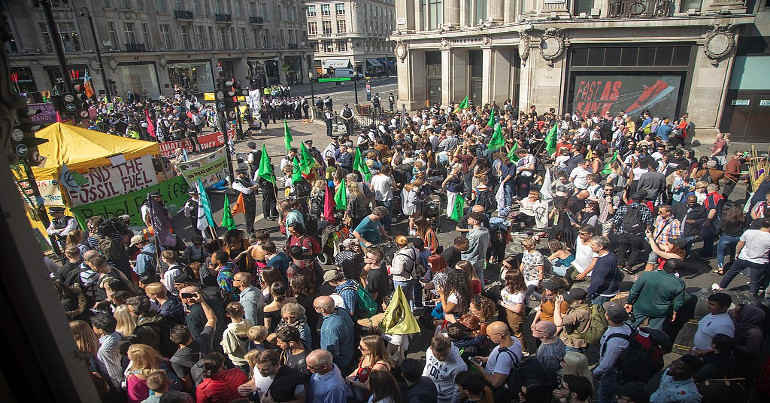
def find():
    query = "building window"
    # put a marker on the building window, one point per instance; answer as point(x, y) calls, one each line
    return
point(585, 6)
point(312, 28)
point(265, 40)
point(165, 36)
point(184, 35)
point(693, 4)
point(130, 33)
point(281, 39)
point(198, 32)
point(224, 41)
point(328, 46)
point(311, 11)
point(433, 12)
point(341, 27)
point(342, 46)
point(325, 10)
point(161, 5)
point(69, 37)
point(46, 37)
point(339, 8)
point(147, 35)
point(327, 27)
point(113, 35)
point(253, 9)
point(210, 39)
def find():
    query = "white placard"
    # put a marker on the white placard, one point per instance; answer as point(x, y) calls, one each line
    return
point(108, 182)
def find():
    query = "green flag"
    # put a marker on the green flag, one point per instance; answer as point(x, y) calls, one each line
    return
point(265, 170)
point(205, 204)
point(608, 167)
point(512, 156)
point(296, 171)
point(341, 196)
point(497, 141)
point(491, 122)
point(463, 105)
point(360, 166)
point(457, 209)
point(227, 217)
point(550, 139)
point(287, 139)
point(306, 160)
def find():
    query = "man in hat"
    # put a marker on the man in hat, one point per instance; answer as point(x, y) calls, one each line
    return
point(191, 209)
point(61, 225)
point(145, 260)
point(253, 157)
point(315, 153)
point(248, 189)
point(575, 321)
point(329, 119)
point(347, 117)
point(612, 344)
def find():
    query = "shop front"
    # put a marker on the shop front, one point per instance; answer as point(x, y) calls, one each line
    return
point(195, 76)
point(137, 79)
point(747, 109)
point(629, 79)
point(433, 77)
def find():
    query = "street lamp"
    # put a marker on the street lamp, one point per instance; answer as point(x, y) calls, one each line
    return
point(85, 12)
point(312, 91)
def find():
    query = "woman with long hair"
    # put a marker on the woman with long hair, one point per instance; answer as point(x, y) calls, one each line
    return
point(269, 276)
point(532, 265)
point(575, 363)
point(732, 223)
point(474, 284)
point(427, 234)
point(293, 351)
point(455, 295)
point(512, 298)
point(374, 357)
point(384, 388)
point(358, 204)
point(88, 346)
point(272, 311)
point(483, 309)
point(144, 360)
point(126, 322)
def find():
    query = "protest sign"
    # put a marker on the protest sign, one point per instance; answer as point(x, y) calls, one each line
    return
point(43, 113)
point(210, 168)
point(206, 141)
point(173, 192)
point(50, 192)
point(110, 181)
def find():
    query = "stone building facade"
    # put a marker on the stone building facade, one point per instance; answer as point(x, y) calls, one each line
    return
point(584, 56)
point(149, 47)
point(351, 34)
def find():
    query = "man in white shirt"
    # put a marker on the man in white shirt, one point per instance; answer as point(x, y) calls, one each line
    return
point(382, 187)
point(504, 358)
point(442, 364)
point(579, 175)
point(752, 250)
point(718, 321)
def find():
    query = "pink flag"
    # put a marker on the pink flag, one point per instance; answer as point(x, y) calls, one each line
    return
point(58, 116)
point(150, 126)
point(328, 206)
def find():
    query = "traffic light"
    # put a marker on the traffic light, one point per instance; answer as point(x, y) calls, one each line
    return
point(23, 140)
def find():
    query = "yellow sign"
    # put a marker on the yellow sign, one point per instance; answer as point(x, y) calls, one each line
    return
point(208, 96)
point(241, 98)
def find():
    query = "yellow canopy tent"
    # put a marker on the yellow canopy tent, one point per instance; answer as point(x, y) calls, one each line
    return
point(82, 149)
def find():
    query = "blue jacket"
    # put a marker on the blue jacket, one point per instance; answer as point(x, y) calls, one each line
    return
point(337, 337)
point(145, 260)
point(663, 131)
point(605, 279)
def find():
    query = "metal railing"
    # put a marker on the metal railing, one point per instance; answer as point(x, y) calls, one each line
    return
point(641, 8)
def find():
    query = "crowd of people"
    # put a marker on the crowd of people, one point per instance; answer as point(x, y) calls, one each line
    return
point(565, 281)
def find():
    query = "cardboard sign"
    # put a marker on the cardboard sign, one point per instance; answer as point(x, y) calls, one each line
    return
point(50, 192)
point(108, 182)
point(173, 192)
point(210, 168)
point(207, 141)
point(46, 114)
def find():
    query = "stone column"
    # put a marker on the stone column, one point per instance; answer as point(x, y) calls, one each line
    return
point(496, 10)
point(707, 84)
point(459, 74)
point(603, 6)
point(452, 13)
point(509, 14)
point(353, 16)
point(281, 71)
point(446, 77)
point(501, 73)
point(419, 19)
point(411, 80)
point(486, 75)
point(405, 17)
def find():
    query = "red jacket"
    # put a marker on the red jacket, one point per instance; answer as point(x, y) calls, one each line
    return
point(222, 387)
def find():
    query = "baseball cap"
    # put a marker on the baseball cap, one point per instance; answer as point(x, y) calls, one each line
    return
point(332, 275)
point(136, 239)
point(575, 294)
point(615, 311)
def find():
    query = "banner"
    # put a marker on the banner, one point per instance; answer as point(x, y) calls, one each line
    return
point(173, 192)
point(631, 94)
point(110, 181)
point(50, 192)
point(46, 114)
point(210, 168)
point(206, 141)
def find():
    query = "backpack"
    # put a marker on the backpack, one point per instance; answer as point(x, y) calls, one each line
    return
point(640, 360)
point(632, 220)
point(366, 305)
point(513, 383)
point(417, 270)
point(597, 324)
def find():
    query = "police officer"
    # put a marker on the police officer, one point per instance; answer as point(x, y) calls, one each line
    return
point(329, 118)
point(328, 102)
point(376, 104)
point(248, 189)
point(61, 225)
point(306, 108)
point(347, 117)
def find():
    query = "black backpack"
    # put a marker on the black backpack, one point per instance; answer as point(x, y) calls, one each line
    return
point(509, 391)
point(637, 363)
point(632, 220)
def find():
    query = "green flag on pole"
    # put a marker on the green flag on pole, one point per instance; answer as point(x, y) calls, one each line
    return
point(287, 139)
point(360, 166)
point(296, 171)
point(497, 141)
point(205, 204)
point(341, 196)
point(463, 105)
point(512, 156)
point(306, 160)
point(491, 122)
point(265, 170)
point(550, 139)
point(608, 167)
point(227, 217)
point(457, 209)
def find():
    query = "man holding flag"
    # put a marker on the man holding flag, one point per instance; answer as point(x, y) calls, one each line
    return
point(266, 180)
point(248, 190)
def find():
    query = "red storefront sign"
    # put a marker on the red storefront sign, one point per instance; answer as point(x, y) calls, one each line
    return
point(207, 141)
